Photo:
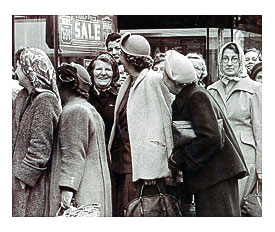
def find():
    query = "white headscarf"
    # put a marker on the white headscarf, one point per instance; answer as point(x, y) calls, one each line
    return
point(241, 73)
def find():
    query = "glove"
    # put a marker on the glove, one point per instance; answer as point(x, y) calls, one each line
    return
point(150, 182)
point(66, 198)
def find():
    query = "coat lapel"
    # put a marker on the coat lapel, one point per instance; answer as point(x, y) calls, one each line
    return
point(242, 85)
point(218, 86)
point(140, 77)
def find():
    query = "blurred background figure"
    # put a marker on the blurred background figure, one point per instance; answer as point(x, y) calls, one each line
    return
point(104, 73)
point(122, 75)
point(113, 46)
point(15, 84)
point(256, 72)
point(241, 100)
point(35, 116)
point(251, 58)
point(79, 168)
point(199, 65)
point(158, 64)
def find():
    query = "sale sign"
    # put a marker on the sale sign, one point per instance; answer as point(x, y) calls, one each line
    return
point(84, 32)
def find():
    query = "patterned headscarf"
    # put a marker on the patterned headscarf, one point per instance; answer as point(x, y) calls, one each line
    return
point(241, 73)
point(38, 68)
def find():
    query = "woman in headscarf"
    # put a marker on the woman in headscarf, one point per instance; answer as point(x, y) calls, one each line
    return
point(211, 162)
point(36, 111)
point(79, 168)
point(240, 98)
point(104, 73)
point(142, 125)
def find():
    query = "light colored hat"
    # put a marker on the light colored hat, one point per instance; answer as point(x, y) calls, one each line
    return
point(135, 45)
point(179, 68)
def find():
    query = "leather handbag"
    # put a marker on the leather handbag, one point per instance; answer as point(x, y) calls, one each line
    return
point(183, 133)
point(157, 205)
point(252, 204)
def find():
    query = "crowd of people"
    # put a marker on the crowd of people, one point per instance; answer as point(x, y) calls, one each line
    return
point(100, 135)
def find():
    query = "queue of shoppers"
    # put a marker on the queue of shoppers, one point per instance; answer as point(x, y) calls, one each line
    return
point(82, 143)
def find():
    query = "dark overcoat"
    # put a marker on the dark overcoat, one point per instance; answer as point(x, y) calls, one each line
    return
point(203, 163)
point(35, 120)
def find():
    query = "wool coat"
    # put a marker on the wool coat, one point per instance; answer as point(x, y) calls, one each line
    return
point(80, 159)
point(242, 106)
point(149, 125)
point(32, 140)
point(204, 164)
point(104, 102)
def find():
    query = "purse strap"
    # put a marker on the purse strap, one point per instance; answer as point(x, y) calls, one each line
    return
point(163, 205)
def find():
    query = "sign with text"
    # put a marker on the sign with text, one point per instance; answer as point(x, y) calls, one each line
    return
point(84, 32)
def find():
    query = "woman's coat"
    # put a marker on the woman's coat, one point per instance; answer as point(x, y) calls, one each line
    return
point(32, 142)
point(242, 106)
point(79, 159)
point(149, 124)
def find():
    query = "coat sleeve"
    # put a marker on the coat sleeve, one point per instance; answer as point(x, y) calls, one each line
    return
point(207, 142)
point(44, 124)
point(74, 133)
point(256, 119)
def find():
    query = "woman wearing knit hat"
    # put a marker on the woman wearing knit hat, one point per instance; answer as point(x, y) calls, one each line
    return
point(211, 166)
point(142, 125)
point(79, 166)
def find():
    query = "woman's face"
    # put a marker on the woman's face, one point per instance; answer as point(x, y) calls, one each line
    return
point(103, 74)
point(198, 67)
point(159, 67)
point(22, 78)
point(173, 87)
point(230, 62)
point(258, 77)
point(251, 58)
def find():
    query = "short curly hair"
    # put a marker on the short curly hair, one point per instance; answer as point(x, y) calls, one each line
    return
point(139, 62)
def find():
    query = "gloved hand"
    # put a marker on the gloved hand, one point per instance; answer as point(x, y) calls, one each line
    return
point(150, 182)
point(66, 198)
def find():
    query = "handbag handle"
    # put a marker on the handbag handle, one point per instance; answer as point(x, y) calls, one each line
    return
point(164, 207)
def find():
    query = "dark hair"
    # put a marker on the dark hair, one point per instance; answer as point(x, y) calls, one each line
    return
point(112, 37)
point(67, 78)
point(231, 47)
point(108, 58)
point(255, 70)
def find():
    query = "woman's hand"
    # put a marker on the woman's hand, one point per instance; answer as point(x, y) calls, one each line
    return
point(66, 198)
point(150, 182)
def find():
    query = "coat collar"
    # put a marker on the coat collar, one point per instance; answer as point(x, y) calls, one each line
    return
point(140, 77)
point(183, 95)
point(244, 84)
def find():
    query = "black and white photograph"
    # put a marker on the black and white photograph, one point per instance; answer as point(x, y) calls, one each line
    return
point(153, 114)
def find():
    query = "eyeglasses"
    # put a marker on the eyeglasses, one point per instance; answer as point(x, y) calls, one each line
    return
point(234, 60)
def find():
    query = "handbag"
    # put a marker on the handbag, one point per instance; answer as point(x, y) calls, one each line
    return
point(157, 205)
point(252, 204)
point(183, 133)
point(87, 210)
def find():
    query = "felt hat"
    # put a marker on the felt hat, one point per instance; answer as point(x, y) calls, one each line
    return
point(135, 45)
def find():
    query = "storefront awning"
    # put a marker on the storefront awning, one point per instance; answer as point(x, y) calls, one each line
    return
point(251, 23)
